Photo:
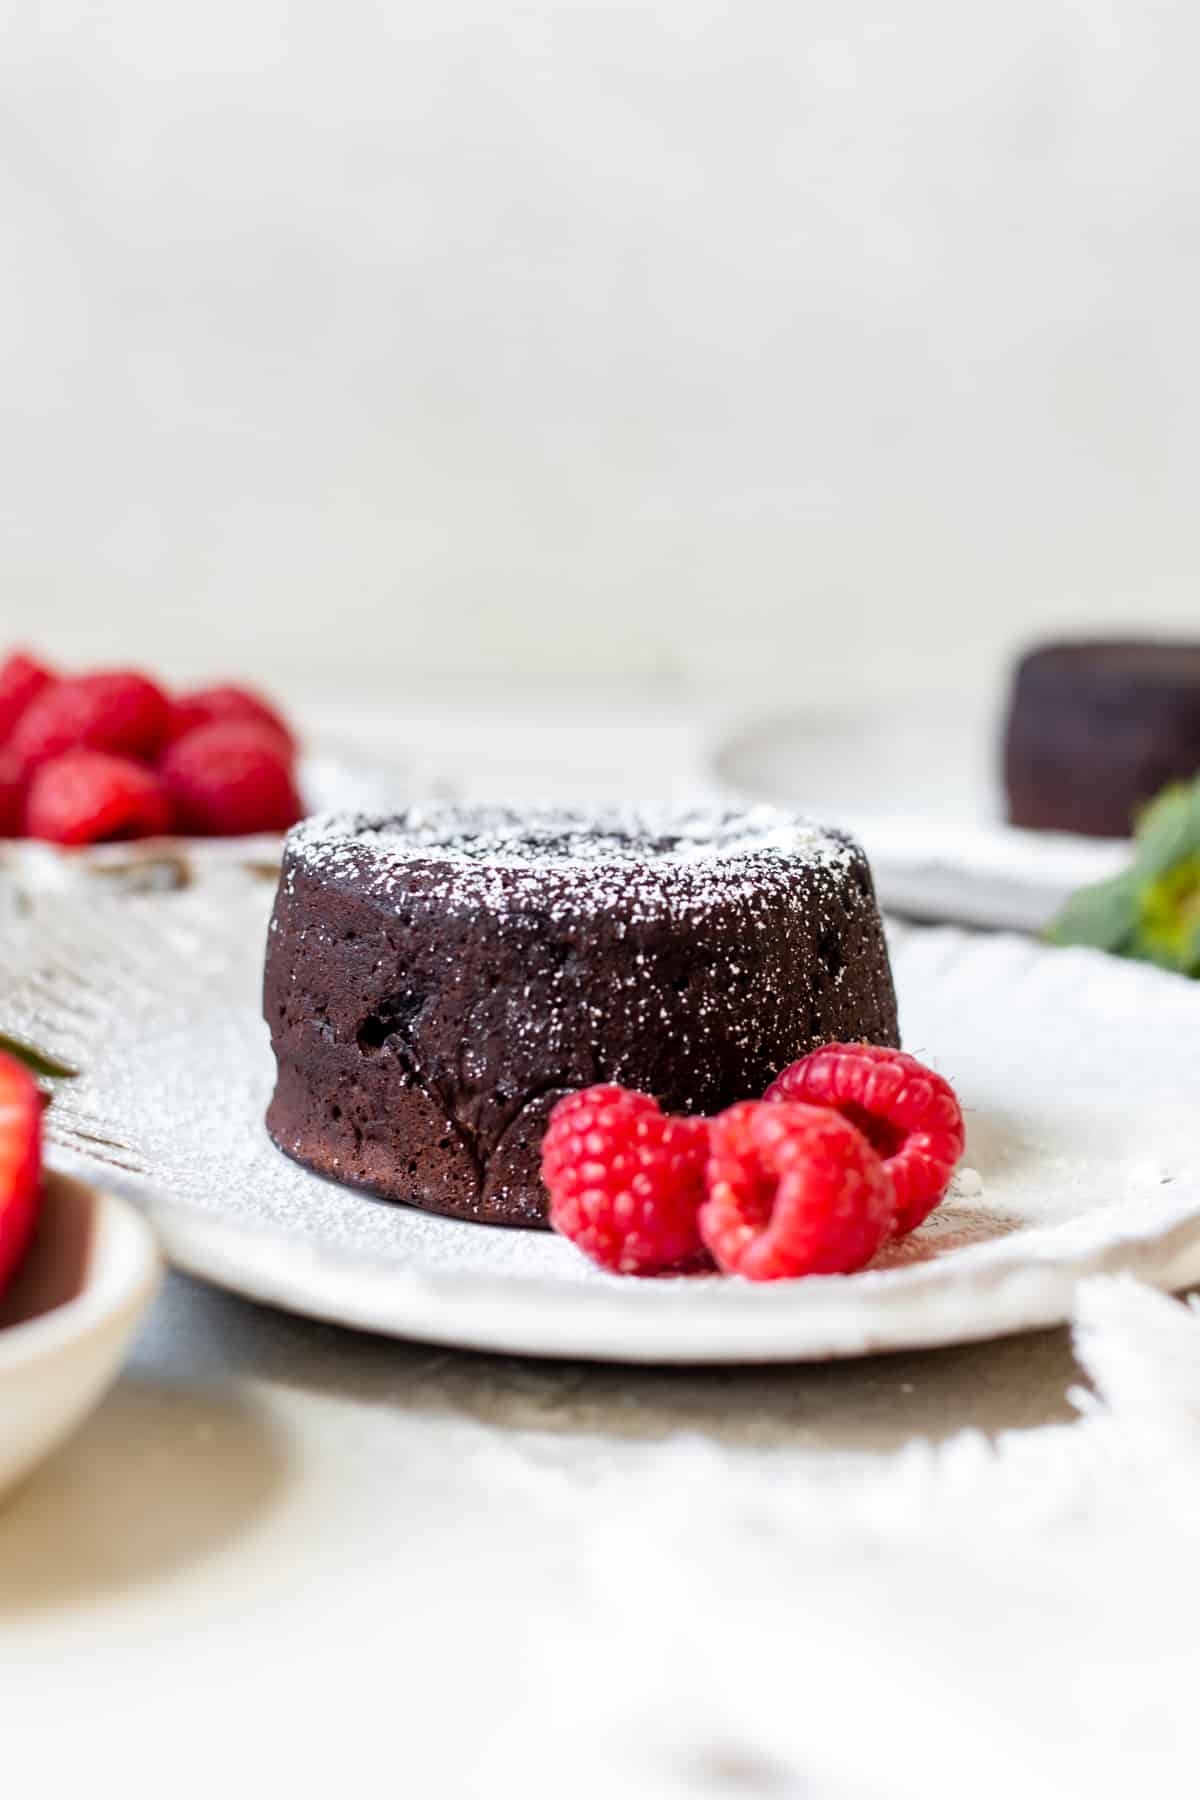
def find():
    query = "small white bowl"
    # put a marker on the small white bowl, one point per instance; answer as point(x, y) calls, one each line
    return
point(67, 1319)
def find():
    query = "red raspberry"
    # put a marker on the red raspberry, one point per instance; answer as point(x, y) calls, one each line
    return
point(225, 706)
point(229, 780)
point(12, 797)
point(21, 681)
point(625, 1180)
point(89, 797)
point(792, 1190)
point(909, 1113)
point(118, 711)
point(20, 1163)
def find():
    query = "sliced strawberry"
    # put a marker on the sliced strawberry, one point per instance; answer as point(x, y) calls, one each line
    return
point(116, 710)
point(87, 797)
point(21, 681)
point(228, 705)
point(20, 1163)
point(12, 796)
point(231, 780)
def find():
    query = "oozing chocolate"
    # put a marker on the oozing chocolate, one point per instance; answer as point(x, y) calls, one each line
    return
point(437, 980)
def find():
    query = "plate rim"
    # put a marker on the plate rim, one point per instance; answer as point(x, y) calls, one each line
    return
point(1128, 1224)
point(473, 1311)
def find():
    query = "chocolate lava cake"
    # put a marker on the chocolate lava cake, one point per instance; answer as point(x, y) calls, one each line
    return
point(437, 980)
point(1097, 729)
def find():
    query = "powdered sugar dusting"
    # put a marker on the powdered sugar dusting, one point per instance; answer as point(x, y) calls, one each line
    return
point(510, 837)
point(499, 856)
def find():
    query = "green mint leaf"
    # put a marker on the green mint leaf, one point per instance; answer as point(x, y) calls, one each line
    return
point(1169, 830)
point(1103, 917)
point(1150, 913)
point(1169, 915)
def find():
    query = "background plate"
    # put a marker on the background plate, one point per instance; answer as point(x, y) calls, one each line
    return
point(1076, 1070)
point(918, 785)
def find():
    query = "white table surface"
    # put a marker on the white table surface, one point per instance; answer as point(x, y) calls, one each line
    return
point(283, 1556)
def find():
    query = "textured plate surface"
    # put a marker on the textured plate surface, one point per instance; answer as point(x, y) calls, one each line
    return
point(1077, 1072)
point(918, 786)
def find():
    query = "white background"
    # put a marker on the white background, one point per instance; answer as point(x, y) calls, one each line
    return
point(754, 345)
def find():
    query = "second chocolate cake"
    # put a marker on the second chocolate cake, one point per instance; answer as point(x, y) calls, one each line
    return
point(1096, 729)
point(437, 980)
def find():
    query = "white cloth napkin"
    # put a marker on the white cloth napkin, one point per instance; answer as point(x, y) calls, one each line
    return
point(1009, 1619)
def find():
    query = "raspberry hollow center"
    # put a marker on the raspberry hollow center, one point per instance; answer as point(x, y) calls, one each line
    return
point(884, 1137)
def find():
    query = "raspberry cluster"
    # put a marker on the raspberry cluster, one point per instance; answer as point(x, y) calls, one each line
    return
point(87, 759)
point(849, 1147)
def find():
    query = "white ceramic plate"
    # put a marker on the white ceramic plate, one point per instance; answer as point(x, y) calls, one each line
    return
point(66, 1320)
point(918, 785)
point(1077, 1073)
